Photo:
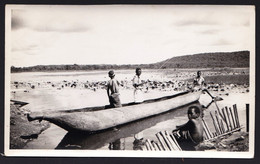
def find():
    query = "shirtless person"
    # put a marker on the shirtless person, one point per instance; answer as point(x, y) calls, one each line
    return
point(190, 134)
point(113, 91)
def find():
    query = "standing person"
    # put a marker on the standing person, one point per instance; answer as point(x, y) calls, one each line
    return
point(190, 134)
point(138, 85)
point(113, 91)
point(198, 80)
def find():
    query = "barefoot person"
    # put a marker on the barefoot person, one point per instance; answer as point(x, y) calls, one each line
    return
point(138, 85)
point(198, 80)
point(190, 134)
point(113, 90)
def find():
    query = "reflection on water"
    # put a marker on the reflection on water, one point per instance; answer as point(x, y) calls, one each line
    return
point(118, 144)
point(132, 133)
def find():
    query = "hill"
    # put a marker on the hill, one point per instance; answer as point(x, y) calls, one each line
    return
point(203, 60)
point(208, 60)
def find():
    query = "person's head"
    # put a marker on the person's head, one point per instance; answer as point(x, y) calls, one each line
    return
point(111, 74)
point(193, 112)
point(199, 73)
point(138, 71)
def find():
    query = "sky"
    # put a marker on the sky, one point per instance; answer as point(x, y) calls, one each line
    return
point(123, 34)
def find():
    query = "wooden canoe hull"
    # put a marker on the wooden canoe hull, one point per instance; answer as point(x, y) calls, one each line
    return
point(90, 121)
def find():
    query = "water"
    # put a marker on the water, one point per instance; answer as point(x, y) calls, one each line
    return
point(46, 97)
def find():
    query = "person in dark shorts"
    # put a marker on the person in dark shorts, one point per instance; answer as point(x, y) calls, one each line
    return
point(113, 91)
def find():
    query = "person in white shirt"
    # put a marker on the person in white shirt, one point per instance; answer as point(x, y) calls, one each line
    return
point(198, 80)
point(138, 86)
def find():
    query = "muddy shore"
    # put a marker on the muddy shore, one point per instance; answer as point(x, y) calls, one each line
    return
point(21, 130)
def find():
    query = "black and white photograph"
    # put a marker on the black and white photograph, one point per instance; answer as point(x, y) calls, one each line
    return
point(130, 80)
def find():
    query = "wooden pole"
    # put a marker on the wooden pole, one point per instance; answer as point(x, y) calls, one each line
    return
point(219, 110)
point(174, 139)
point(207, 128)
point(236, 113)
point(154, 145)
point(229, 122)
point(247, 117)
point(159, 146)
point(147, 146)
point(219, 126)
point(206, 135)
point(222, 125)
point(161, 141)
point(225, 118)
point(230, 110)
point(166, 141)
point(144, 148)
point(170, 141)
point(214, 123)
point(150, 144)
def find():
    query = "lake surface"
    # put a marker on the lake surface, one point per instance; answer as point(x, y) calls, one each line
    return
point(46, 97)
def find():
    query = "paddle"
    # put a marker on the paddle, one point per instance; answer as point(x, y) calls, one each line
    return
point(214, 99)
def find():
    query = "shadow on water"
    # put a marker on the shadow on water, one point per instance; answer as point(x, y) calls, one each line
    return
point(113, 137)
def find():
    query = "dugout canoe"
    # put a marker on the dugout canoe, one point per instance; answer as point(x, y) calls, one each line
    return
point(100, 118)
point(89, 141)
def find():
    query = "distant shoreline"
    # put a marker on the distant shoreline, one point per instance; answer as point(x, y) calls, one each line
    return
point(144, 69)
point(238, 59)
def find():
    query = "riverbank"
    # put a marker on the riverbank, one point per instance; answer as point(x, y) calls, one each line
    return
point(234, 142)
point(21, 130)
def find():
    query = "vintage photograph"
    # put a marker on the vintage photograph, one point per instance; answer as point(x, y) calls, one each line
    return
point(130, 80)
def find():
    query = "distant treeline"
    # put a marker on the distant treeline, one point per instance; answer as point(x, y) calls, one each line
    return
point(204, 60)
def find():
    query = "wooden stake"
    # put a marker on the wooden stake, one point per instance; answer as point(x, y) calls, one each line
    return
point(229, 122)
point(147, 146)
point(144, 148)
point(154, 145)
point(225, 120)
point(159, 146)
point(247, 117)
point(220, 129)
point(207, 128)
point(230, 110)
point(174, 145)
point(235, 109)
point(150, 144)
point(206, 135)
point(161, 141)
point(167, 141)
point(214, 123)
point(174, 139)
point(221, 115)
point(222, 125)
